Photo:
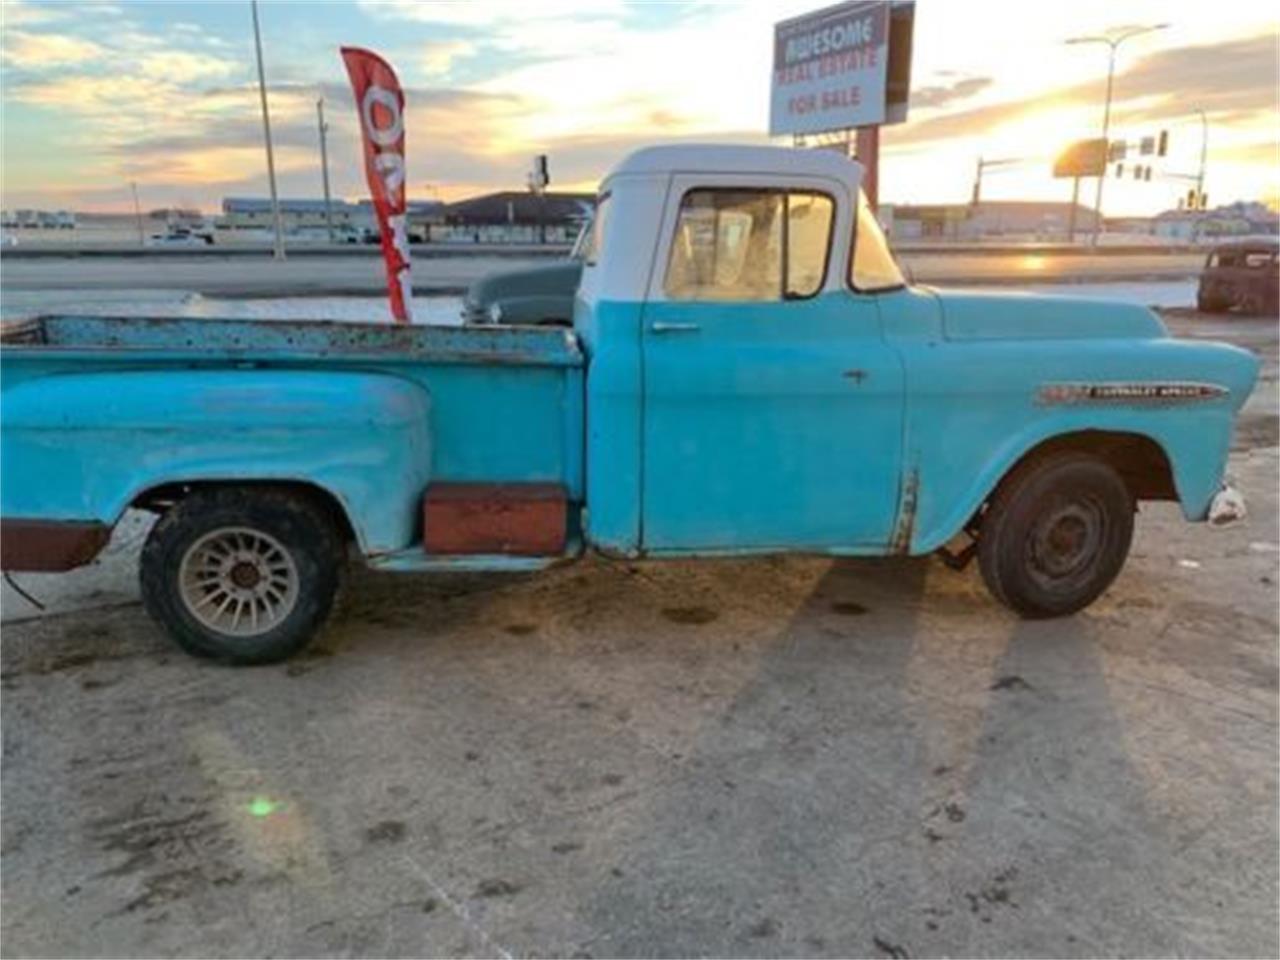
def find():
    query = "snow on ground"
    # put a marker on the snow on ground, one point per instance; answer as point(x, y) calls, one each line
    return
point(19, 304)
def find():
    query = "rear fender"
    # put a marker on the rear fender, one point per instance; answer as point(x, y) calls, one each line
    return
point(84, 446)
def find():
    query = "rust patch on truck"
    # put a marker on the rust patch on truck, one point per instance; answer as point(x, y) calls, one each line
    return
point(906, 525)
point(50, 546)
point(519, 519)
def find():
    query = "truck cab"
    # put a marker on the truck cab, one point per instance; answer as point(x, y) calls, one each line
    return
point(747, 372)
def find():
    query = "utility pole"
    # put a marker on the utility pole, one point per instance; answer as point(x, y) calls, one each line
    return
point(983, 165)
point(1112, 43)
point(278, 247)
point(137, 212)
point(324, 167)
point(1204, 155)
point(1071, 214)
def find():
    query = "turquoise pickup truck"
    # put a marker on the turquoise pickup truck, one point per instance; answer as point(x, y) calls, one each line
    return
point(747, 372)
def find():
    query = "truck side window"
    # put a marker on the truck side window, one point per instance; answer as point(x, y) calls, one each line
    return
point(749, 245)
point(809, 218)
point(873, 267)
point(592, 243)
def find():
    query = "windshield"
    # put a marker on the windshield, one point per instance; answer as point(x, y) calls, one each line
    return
point(873, 267)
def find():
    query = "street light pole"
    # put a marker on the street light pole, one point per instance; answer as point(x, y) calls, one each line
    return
point(137, 211)
point(1113, 43)
point(324, 167)
point(278, 247)
point(1204, 155)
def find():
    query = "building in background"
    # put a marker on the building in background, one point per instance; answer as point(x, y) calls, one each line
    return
point(1028, 219)
point(516, 216)
point(1239, 219)
point(249, 217)
point(38, 220)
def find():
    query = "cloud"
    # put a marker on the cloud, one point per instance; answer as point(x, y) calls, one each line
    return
point(1233, 80)
point(18, 13)
point(177, 66)
point(480, 14)
point(438, 56)
point(1260, 152)
point(926, 98)
point(38, 51)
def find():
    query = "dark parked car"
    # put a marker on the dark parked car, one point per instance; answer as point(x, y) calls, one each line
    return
point(537, 296)
point(1241, 274)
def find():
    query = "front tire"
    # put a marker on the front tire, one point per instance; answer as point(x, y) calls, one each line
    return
point(243, 575)
point(1055, 534)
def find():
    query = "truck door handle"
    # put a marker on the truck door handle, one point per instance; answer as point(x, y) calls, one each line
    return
point(662, 327)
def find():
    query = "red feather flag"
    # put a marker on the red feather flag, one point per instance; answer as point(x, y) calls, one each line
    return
point(380, 102)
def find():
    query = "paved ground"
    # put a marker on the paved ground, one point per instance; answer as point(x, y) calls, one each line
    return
point(747, 758)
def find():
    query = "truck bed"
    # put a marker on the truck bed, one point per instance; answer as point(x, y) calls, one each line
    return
point(98, 410)
point(295, 339)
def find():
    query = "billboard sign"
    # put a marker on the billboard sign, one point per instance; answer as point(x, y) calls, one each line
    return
point(1084, 158)
point(829, 69)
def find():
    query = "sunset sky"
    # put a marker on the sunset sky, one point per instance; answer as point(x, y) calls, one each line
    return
point(98, 94)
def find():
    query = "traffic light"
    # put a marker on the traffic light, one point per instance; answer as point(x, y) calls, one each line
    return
point(1119, 170)
point(1191, 199)
point(1116, 150)
point(1204, 201)
point(1146, 174)
point(1147, 146)
point(1162, 147)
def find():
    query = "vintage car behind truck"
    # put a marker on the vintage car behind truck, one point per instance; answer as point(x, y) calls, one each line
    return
point(541, 295)
point(747, 373)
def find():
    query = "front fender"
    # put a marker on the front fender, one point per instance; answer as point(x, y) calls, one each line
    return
point(84, 446)
point(978, 412)
point(1197, 465)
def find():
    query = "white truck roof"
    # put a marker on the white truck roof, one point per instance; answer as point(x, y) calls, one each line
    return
point(734, 158)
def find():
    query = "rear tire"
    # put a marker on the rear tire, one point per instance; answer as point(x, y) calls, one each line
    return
point(1055, 534)
point(244, 575)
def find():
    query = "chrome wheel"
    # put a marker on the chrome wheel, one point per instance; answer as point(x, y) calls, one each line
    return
point(238, 581)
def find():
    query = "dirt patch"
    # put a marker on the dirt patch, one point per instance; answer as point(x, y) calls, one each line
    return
point(388, 831)
point(690, 616)
point(847, 608)
point(498, 887)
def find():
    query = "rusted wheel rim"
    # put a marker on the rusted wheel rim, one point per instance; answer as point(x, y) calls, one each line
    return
point(1065, 541)
point(238, 581)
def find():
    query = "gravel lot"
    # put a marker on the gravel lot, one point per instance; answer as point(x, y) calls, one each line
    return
point(764, 757)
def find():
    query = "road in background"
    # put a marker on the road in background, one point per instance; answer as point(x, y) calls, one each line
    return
point(212, 274)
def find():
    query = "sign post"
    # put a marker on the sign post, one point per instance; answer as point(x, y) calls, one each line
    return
point(1084, 158)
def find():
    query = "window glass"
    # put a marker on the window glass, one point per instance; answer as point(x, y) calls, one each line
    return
point(873, 265)
point(749, 245)
point(1258, 259)
point(808, 236)
point(593, 242)
point(727, 246)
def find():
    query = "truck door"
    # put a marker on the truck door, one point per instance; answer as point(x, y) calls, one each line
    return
point(773, 406)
